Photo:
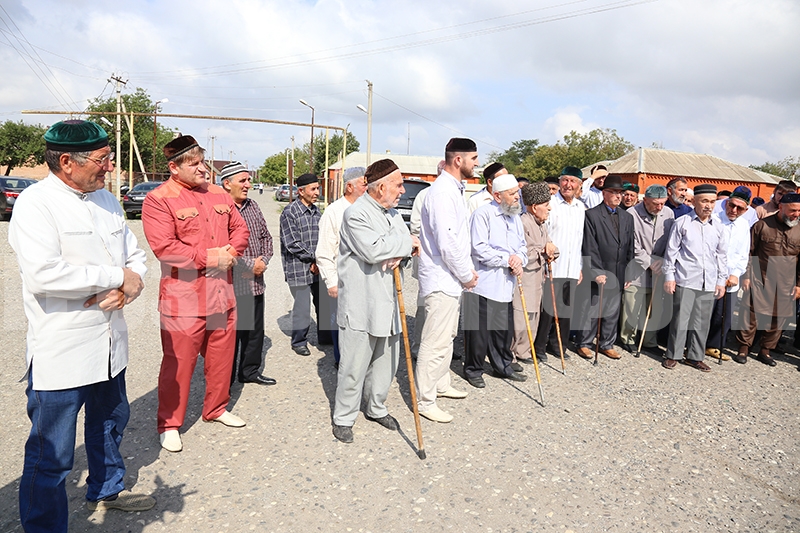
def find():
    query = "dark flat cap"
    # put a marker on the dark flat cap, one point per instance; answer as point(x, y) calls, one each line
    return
point(179, 146)
point(457, 144)
point(575, 172)
point(380, 169)
point(491, 170)
point(705, 188)
point(75, 136)
point(306, 179)
point(614, 182)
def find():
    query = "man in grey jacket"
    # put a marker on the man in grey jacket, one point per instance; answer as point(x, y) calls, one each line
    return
point(373, 241)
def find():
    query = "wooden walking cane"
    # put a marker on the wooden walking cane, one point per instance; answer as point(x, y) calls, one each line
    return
point(599, 323)
point(530, 337)
point(555, 316)
point(399, 287)
point(647, 317)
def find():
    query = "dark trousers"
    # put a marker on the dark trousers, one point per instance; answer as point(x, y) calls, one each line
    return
point(301, 311)
point(720, 326)
point(488, 330)
point(50, 449)
point(249, 337)
point(609, 315)
point(564, 289)
point(327, 305)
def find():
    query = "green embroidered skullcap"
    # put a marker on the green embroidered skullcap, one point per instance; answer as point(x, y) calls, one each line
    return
point(575, 172)
point(75, 136)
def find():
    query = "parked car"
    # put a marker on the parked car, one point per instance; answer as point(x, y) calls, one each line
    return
point(132, 202)
point(282, 194)
point(413, 187)
point(11, 187)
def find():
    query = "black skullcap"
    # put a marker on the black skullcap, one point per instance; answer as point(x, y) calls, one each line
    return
point(575, 172)
point(380, 169)
point(75, 136)
point(306, 179)
point(551, 179)
point(723, 192)
point(790, 198)
point(758, 201)
point(179, 146)
point(457, 144)
point(705, 188)
point(535, 193)
point(491, 170)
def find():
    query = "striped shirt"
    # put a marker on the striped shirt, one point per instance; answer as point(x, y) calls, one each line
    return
point(299, 233)
point(258, 245)
point(565, 227)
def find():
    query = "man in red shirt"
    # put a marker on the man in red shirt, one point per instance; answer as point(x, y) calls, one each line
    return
point(196, 232)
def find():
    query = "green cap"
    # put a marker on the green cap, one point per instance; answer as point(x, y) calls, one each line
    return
point(75, 136)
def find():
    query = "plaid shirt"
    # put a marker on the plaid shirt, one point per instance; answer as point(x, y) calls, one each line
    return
point(299, 235)
point(258, 245)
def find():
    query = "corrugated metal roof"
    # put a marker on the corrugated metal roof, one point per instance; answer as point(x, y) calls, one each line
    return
point(409, 164)
point(672, 163)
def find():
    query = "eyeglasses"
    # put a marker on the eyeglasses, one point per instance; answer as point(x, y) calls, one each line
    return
point(741, 208)
point(103, 161)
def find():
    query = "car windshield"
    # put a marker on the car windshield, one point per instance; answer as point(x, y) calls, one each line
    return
point(145, 187)
point(16, 183)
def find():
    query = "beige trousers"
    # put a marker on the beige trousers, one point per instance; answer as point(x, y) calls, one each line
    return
point(436, 348)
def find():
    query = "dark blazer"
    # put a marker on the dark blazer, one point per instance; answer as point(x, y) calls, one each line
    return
point(605, 249)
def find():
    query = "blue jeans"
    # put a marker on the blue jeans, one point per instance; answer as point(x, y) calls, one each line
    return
point(50, 450)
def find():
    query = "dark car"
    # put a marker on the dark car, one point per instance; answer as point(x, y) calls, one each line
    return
point(413, 188)
point(11, 187)
point(132, 202)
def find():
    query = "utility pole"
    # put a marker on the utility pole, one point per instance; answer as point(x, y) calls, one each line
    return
point(291, 173)
point(118, 81)
point(408, 146)
point(369, 122)
point(212, 157)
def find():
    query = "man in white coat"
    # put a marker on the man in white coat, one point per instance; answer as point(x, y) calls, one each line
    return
point(374, 239)
point(80, 265)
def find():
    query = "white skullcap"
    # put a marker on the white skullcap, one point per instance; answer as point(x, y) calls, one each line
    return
point(504, 182)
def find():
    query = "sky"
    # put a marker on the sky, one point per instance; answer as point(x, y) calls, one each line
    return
point(719, 77)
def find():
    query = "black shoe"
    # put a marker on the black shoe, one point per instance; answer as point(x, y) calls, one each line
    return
point(740, 358)
point(387, 421)
point(301, 350)
point(516, 367)
point(477, 382)
point(515, 376)
point(630, 348)
point(456, 356)
point(343, 433)
point(529, 361)
point(261, 380)
point(765, 358)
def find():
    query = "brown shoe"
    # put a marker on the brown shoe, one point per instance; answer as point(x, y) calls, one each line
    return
point(611, 353)
point(669, 364)
point(699, 365)
point(585, 352)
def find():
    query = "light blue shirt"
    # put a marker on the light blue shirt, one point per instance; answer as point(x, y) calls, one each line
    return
point(495, 238)
point(697, 253)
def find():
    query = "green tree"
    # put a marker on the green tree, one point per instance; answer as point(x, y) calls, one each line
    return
point(273, 170)
point(302, 156)
point(138, 102)
point(21, 145)
point(515, 155)
point(786, 168)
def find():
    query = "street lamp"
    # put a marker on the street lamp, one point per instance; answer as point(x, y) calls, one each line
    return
point(369, 131)
point(155, 118)
point(311, 144)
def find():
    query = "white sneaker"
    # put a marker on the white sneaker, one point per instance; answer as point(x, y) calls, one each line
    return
point(229, 419)
point(171, 440)
point(452, 393)
point(437, 415)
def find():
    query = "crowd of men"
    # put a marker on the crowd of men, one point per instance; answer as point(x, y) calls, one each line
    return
point(620, 272)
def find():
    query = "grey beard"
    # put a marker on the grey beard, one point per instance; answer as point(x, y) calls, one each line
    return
point(675, 199)
point(511, 210)
point(791, 223)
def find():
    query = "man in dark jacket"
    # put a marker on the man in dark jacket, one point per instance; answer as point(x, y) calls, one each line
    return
point(607, 250)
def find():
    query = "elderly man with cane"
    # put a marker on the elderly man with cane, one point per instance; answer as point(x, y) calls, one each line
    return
point(374, 239)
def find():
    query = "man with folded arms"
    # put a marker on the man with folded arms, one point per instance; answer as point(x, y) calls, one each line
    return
point(445, 269)
point(374, 239)
point(80, 265)
point(608, 245)
point(248, 279)
point(772, 280)
point(499, 253)
point(197, 233)
point(328, 244)
point(695, 271)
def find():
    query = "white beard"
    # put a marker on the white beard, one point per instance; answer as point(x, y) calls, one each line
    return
point(511, 210)
point(791, 223)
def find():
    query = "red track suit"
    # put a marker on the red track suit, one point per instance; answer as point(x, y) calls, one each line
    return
point(198, 309)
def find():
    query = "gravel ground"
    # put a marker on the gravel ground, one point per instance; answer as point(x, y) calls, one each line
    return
point(624, 446)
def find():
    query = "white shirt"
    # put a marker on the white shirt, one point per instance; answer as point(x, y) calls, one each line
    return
point(738, 233)
point(590, 196)
point(444, 262)
point(565, 227)
point(328, 244)
point(750, 214)
point(480, 198)
point(71, 246)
